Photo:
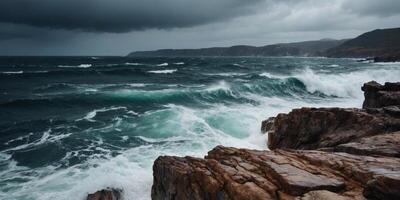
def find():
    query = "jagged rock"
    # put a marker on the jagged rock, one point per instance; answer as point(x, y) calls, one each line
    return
point(314, 128)
point(384, 145)
point(377, 95)
point(106, 194)
point(230, 173)
point(266, 125)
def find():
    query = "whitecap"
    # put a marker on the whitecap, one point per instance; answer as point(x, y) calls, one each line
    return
point(133, 64)
point(387, 63)
point(221, 85)
point(272, 76)
point(162, 64)
point(76, 66)
point(344, 84)
point(45, 138)
point(228, 74)
point(137, 84)
point(13, 72)
point(166, 71)
point(89, 116)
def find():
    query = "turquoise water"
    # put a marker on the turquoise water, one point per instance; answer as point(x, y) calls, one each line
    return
point(72, 125)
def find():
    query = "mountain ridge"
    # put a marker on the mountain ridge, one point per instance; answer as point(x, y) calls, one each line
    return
point(304, 48)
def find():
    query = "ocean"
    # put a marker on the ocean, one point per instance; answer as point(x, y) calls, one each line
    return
point(70, 126)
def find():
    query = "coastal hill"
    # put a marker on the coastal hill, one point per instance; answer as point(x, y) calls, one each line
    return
point(381, 44)
point(306, 48)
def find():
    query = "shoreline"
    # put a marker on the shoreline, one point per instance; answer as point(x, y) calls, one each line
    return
point(315, 153)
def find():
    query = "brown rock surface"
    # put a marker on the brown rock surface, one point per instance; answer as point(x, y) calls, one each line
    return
point(230, 173)
point(314, 128)
point(377, 95)
point(384, 145)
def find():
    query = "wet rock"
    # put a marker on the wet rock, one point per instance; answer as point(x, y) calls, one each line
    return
point(383, 145)
point(106, 194)
point(267, 125)
point(315, 128)
point(377, 95)
point(230, 173)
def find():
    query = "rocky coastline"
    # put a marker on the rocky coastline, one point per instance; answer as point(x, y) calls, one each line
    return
point(315, 153)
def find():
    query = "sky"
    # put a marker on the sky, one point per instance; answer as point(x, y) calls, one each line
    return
point(117, 27)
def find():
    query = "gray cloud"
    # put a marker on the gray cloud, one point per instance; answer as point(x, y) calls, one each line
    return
point(116, 27)
point(381, 8)
point(121, 15)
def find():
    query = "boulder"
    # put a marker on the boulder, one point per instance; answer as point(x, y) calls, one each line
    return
point(106, 194)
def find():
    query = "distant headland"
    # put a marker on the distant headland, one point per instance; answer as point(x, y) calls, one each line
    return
point(381, 45)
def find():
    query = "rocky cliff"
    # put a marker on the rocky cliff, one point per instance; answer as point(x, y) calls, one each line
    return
point(316, 153)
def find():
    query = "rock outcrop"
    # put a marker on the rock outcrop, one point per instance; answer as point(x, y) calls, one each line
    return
point(106, 194)
point(230, 173)
point(317, 153)
point(316, 128)
point(378, 96)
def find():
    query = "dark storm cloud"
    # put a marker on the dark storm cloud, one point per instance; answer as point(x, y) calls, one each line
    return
point(120, 15)
point(116, 27)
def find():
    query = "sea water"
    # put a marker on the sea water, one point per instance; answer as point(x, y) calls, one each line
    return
point(70, 126)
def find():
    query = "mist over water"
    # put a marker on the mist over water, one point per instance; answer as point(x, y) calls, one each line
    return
point(72, 125)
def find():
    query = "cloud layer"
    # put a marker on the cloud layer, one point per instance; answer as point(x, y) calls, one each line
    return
point(121, 15)
point(116, 27)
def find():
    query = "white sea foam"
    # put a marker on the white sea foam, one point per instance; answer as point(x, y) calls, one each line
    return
point(345, 84)
point(89, 116)
point(221, 85)
point(137, 84)
point(227, 74)
point(162, 64)
point(165, 71)
point(272, 76)
point(46, 137)
point(387, 63)
point(13, 72)
point(133, 64)
point(76, 66)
